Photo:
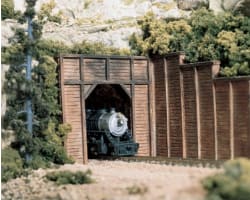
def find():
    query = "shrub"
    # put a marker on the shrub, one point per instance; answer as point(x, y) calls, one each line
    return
point(7, 9)
point(204, 36)
point(11, 165)
point(45, 13)
point(45, 145)
point(232, 184)
point(68, 177)
point(135, 189)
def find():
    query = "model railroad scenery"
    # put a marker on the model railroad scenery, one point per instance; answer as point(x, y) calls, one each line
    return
point(125, 99)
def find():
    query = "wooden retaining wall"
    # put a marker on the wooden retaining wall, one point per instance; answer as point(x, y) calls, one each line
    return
point(177, 110)
point(199, 115)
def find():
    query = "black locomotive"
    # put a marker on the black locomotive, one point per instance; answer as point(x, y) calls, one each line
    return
point(108, 134)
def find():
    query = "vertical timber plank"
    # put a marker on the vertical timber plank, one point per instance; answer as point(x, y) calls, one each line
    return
point(141, 124)
point(190, 112)
point(133, 96)
point(160, 106)
point(223, 119)
point(184, 142)
point(215, 123)
point(152, 108)
point(241, 116)
point(206, 110)
point(231, 110)
point(73, 116)
point(198, 111)
point(174, 105)
point(62, 92)
point(83, 117)
point(167, 107)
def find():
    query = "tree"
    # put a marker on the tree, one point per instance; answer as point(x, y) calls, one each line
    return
point(45, 144)
point(7, 9)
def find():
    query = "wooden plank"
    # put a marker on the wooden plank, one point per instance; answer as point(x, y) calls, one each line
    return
point(74, 119)
point(94, 69)
point(206, 111)
point(141, 70)
point(119, 70)
point(166, 75)
point(215, 123)
point(127, 89)
point(71, 68)
point(190, 113)
point(184, 142)
point(83, 121)
point(141, 114)
point(198, 111)
point(160, 108)
point(137, 82)
point(223, 119)
point(241, 115)
point(89, 90)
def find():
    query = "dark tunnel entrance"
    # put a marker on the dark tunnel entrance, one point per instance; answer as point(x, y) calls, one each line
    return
point(107, 96)
point(109, 122)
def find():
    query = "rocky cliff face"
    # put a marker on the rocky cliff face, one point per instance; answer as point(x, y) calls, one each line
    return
point(108, 21)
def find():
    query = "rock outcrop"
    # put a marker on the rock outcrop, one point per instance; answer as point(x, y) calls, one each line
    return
point(109, 21)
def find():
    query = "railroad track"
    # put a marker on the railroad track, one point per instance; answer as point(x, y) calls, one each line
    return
point(166, 161)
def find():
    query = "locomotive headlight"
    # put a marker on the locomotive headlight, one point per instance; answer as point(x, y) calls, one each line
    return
point(120, 122)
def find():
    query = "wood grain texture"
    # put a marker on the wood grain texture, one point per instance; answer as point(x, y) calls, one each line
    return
point(141, 120)
point(73, 116)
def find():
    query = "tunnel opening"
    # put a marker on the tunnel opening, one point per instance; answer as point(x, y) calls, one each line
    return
point(108, 96)
point(109, 122)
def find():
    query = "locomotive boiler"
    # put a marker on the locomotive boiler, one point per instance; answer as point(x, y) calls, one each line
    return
point(108, 134)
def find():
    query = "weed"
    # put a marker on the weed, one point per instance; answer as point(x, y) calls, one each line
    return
point(87, 4)
point(137, 190)
point(12, 164)
point(68, 177)
point(232, 184)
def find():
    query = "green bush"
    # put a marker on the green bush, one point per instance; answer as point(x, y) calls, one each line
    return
point(137, 190)
point(11, 164)
point(68, 177)
point(232, 184)
point(45, 145)
point(204, 36)
point(7, 9)
point(45, 13)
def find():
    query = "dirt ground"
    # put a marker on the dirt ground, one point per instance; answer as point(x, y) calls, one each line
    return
point(115, 180)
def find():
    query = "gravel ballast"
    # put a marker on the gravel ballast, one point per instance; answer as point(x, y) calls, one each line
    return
point(115, 180)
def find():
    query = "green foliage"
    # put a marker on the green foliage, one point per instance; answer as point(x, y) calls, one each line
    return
point(137, 190)
point(7, 9)
point(96, 49)
point(87, 4)
point(68, 177)
point(204, 36)
point(45, 13)
point(45, 144)
point(11, 165)
point(232, 184)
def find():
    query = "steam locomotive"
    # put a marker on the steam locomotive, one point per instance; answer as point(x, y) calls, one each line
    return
point(108, 134)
